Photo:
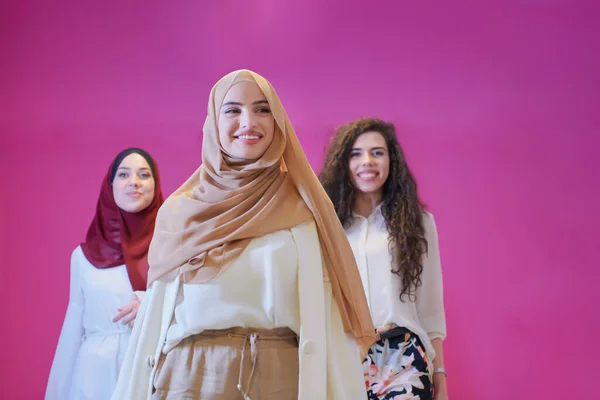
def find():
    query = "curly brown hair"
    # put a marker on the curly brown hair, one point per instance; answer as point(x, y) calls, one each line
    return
point(401, 207)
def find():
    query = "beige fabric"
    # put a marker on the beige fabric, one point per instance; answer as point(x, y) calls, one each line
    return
point(204, 226)
point(232, 364)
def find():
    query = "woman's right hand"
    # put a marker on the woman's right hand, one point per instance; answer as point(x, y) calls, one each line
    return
point(128, 313)
point(385, 328)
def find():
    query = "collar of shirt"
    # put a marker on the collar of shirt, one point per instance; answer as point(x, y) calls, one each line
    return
point(375, 214)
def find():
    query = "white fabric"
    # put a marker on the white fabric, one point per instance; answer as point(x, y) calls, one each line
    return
point(276, 282)
point(260, 291)
point(425, 316)
point(91, 348)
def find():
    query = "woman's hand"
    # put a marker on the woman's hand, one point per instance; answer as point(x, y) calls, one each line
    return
point(440, 388)
point(385, 328)
point(128, 313)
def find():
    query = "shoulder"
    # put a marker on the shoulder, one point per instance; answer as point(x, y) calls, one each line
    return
point(428, 218)
point(306, 234)
point(429, 226)
point(78, 258)
point(305, 227)
point(77, 254)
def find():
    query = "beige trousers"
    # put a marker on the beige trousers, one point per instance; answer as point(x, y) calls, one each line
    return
point(232, 364)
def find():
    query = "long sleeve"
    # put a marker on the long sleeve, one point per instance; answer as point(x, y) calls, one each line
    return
point(345, 379)
point(59, 382)
point(329, 358)
point(149, 330)
point(129, 369)
point(430, 295)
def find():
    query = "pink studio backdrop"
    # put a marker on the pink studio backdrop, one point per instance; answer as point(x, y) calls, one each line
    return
point(495, 103)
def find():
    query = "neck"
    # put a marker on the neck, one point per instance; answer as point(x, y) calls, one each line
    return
point(365, 203)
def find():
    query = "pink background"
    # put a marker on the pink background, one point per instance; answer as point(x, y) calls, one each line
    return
point(496, 105)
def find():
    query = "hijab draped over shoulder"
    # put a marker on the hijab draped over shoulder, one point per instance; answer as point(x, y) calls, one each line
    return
point(203, 227)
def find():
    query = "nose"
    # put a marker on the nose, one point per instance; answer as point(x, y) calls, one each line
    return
point(134, 180)
point(247, 120)
point(367, 159)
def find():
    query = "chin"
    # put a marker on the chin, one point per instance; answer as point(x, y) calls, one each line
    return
point(134, 208)
point(250, 156)
point(252, 153)
point(369, 188)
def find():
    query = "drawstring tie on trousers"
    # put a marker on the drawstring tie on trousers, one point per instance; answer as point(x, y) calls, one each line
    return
point(252, 339)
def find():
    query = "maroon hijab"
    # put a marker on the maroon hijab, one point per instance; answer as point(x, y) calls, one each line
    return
point(116, 237)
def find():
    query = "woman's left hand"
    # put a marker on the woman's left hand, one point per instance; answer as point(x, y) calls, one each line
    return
point(440, 389)
point(128, 313)
point(441, 396)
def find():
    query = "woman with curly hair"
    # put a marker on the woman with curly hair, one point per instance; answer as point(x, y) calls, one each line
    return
point(395, 244)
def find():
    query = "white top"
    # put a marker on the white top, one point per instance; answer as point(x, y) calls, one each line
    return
point(277, 281)
point(425, 316)
point(259, 290)
point(91, 347)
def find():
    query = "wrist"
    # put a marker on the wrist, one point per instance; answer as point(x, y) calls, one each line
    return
point(137, 296)
point(439, 381)
point(439, 377)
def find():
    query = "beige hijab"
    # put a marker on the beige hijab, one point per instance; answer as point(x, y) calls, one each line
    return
point(202, 228)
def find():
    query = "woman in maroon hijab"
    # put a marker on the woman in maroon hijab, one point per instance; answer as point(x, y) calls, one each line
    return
point(109, 271)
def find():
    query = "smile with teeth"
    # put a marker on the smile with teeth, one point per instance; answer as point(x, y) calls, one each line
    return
point(367, 176)
point(248, 137)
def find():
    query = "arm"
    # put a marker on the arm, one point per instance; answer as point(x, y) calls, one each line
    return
point(439, 379)
point(69, 342)
point(330, 364)
point(345, 378)
point(138, 368)
point(124, 387)
point(430, 303)
point(139, 295)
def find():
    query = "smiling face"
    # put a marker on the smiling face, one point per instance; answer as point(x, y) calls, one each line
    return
point(245, 123)
point(369, 163)
point(133, 184)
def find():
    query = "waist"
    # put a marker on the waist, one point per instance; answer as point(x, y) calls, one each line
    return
point(115, 332)
point(237, 336)
point(240, 332)
point(397, 331)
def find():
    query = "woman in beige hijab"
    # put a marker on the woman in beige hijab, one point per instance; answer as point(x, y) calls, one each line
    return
point(253, 289)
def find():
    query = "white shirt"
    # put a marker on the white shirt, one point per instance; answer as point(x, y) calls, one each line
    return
point(91, 347)
point(425, 316)
point(259, 290)
point(277, 281)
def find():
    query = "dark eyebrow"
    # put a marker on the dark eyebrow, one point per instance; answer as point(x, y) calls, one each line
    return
point(231, 103)
point(235, 103)
point(371, 149)
point(129, 169)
